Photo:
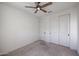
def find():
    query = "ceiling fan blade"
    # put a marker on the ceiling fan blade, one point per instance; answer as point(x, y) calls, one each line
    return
point(43, 10)
point(36, 11)
point(29, 7)
point(47, 4)
point(35, 3)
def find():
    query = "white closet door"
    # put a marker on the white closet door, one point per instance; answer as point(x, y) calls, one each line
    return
point(45, 30)
point(54, 30)
point(64, 30)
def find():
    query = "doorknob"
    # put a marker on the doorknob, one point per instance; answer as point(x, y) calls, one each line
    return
point(68, 34)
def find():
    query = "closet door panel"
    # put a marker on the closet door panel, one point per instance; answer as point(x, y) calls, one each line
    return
point(54, 29)
point(44, 31)
point(64, 30)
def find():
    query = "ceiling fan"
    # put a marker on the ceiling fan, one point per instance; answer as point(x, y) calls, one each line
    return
point(39, 7)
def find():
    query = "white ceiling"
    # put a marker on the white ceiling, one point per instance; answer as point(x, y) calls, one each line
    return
point(55, 7)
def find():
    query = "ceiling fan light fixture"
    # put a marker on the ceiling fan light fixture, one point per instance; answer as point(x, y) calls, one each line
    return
point(38, 8)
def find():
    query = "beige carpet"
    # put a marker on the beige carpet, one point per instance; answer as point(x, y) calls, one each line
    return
point(41, 48)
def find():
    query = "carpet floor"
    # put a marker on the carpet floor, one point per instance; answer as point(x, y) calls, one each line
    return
point(42, 48)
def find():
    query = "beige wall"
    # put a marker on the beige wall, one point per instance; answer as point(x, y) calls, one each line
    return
point(78, 29)
point(17, 28)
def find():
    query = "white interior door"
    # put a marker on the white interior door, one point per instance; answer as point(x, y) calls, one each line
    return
point(64, 30)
